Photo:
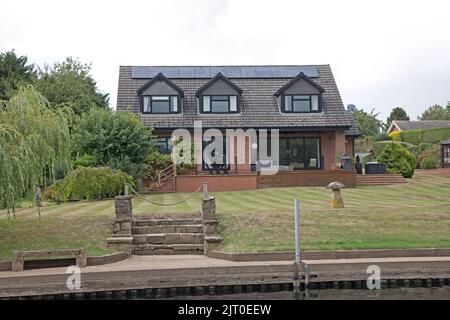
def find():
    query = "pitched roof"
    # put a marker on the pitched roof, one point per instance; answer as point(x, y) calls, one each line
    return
point(300, 76)
point(217, 77)
point(404, 125)
point(160, 77)
point(259, 106)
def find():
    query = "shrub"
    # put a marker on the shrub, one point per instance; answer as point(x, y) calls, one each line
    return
point(89, 183)
point(430, 162)
point(112, 137)
point(382, 137)
point(423, 147)
point(395, 135)
point(86, 160)
point(156, 161)
point(398, 159)
point(379, 146)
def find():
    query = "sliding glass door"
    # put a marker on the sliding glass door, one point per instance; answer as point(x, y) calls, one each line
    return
point(300, 153)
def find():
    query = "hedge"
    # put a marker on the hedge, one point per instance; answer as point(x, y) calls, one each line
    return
point(425, 136)
point(379, 146)
point(85, 183)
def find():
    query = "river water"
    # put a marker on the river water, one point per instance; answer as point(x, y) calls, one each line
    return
point(442, 293)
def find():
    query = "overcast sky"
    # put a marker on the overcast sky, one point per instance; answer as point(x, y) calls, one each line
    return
point(383, 53)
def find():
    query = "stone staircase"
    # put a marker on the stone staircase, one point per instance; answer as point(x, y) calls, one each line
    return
point(167, 236)
point(379, 179)
point(145, 235)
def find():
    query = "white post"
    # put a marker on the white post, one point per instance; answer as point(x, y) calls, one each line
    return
point(297, 261)
point(126, 189)
point(297, 232)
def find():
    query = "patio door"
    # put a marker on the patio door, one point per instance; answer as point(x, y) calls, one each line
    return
point(297, 153)
point(300, 153)
point(216, 152)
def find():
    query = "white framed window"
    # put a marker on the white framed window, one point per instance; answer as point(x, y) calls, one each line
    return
point(219, 104)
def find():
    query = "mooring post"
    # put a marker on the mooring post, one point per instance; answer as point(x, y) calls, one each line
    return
point(297, 260)
point(205, 191)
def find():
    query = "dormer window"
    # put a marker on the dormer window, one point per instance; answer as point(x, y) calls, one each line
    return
point(300, 95)
point(160, 104)
point(219, 95)
point(219, 104)
point(160, 95)
point(301, 103)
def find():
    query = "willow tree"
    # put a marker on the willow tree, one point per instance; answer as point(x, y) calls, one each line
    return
point(34, 145)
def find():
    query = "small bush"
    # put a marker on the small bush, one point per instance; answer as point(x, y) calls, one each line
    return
point(430, 163)
point(86, 183)
point(86, 160)
point(395, 135)
point(382, 137)
point(398, 160)
point(155, 162)
point(379, 146)
point(423, 147)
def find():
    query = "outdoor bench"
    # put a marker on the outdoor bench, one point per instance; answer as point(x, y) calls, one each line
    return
point(19, 256)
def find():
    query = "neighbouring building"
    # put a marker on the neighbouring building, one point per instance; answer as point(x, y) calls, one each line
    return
point(406, 125)
point(303, 102)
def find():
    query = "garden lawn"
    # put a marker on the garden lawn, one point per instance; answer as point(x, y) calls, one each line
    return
point(412, 215)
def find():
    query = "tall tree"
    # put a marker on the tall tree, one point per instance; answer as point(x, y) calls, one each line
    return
point(34, 144)
point(14, 72)
point(116, 139)
point(70, 83)
point(367, 123)
point(397, 113)
point(436, 112)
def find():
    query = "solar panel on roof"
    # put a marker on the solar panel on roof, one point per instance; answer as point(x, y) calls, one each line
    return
point(187, 72)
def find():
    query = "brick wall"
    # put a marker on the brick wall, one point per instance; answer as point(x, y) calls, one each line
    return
point(217, 183)
point(307, 178)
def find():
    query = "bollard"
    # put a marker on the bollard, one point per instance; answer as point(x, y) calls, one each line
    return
point(205, 191)
point(296, 277)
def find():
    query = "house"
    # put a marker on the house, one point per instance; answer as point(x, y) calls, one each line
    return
point(301, 101)
point(406, 125)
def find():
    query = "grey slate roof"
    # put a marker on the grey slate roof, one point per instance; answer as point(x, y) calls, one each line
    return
point(259, 107)
point(206, 72)
point(420, 125)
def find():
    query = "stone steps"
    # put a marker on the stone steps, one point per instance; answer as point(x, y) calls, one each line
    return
point(379, 179)
point(167, 249)
point(158, 229)
point(157, 222)
point(168, 238)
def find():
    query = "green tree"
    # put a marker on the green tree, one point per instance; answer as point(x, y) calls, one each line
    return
point(70, 83)
point(398, 160)
point(436, 112)
point(397, 113)
point(34, 145)
point(14, 72)
point(117, 139)
point(367, 123)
